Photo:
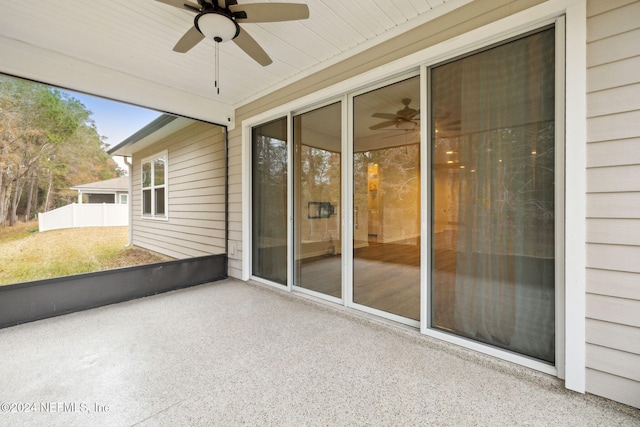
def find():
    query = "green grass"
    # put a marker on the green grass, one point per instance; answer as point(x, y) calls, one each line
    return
point(28, 256)
point(18, 231)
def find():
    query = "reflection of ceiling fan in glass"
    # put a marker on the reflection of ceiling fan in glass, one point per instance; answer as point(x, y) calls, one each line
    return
point(405, 119)
point(447, 126)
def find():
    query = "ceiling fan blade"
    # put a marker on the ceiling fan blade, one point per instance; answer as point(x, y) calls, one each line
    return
point(180, 4)
point(407, 113)
point(251, 47)
point(269, 12)
point(189, 40)
point(450, 124)
point(383, 125)
point(401, 133)
point(384, 116)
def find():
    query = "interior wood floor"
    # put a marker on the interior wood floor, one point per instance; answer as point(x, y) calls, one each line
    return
point(386, 277)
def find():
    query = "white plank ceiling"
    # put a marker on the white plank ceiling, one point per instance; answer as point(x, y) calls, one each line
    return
point(136, 37)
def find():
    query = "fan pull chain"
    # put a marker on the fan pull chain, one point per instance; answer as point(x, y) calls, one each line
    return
point(217, 66)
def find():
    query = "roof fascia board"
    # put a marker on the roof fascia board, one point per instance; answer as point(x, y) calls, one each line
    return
point(158, 129)
point(42, 65)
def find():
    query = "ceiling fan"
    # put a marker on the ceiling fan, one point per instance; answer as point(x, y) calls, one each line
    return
point(404, 119)
point(219, 20)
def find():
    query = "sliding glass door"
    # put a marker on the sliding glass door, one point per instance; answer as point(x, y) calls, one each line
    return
point(317, 189)
point(355, 200)
point(269, 201)
point(386, 199)
point(492, 161)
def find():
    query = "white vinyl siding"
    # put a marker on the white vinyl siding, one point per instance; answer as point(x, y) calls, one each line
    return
point(196, 195)
point(236, 250)
point(613, 200)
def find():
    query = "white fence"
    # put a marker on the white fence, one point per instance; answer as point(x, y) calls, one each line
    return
point(84, 215)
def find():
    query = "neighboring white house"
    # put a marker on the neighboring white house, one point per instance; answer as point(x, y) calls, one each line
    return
point(114, 190)
point(100, 204)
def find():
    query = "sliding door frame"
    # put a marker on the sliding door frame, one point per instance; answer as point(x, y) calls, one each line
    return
point(570, 249)
point(291, 189)
point(349, 191)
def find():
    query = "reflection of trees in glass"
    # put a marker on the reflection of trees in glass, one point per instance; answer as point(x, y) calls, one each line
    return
point(159, 171)
point(398, 190)
point(507, 179)
point(319, 182)
point(146, 174)
point(361, 163)
point(270, 186)
point(269, 197)
point(401, 191)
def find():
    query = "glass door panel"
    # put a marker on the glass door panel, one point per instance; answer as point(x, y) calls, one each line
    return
point(386, 199)
point(493, 175)
point(269, 201)
point(317, 195)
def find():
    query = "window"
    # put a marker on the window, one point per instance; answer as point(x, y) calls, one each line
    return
point(124, 199)
point(154, 186)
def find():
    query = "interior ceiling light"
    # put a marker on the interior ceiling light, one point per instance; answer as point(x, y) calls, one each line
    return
point(406, 125)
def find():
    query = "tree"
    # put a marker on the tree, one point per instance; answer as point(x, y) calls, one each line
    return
point(48, 142)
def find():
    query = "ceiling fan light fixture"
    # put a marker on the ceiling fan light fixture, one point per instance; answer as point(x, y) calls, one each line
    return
point(406, 125)
point(217, 26)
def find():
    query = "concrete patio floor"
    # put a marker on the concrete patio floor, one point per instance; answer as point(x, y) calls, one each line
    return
point(231, 353)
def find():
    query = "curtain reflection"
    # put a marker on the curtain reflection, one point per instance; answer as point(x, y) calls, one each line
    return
point(494, 196)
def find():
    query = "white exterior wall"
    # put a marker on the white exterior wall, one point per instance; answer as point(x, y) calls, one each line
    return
point(613, 200)
point(196, 193)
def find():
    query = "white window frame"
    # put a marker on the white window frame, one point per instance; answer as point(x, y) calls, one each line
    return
point(571, 310)
point(151, 159)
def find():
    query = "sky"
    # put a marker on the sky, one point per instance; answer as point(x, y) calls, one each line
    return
point(115, 121)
